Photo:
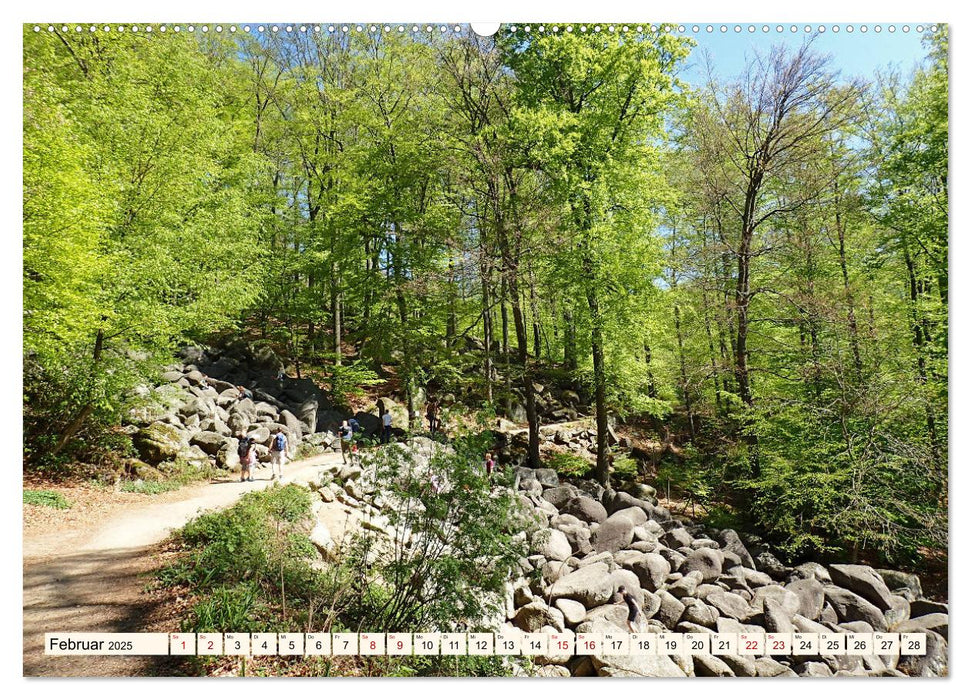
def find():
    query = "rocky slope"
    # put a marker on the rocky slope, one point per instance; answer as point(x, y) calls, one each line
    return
point(685, 578)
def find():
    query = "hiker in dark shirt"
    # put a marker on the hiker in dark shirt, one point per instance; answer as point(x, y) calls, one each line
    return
point(431, 412)
point(633, 612)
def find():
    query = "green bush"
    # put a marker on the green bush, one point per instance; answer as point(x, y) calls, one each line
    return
point(569, 464)
point(51, 499)
point(624, 467)
point(464, 539)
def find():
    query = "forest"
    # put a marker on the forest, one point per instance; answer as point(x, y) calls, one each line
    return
point(753, 270)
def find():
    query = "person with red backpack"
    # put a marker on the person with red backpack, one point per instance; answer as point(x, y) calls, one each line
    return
point(278, 453)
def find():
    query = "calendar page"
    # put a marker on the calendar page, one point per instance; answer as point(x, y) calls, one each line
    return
point(534, 349)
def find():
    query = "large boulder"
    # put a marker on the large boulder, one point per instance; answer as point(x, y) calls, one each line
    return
point(706, 561)
point(864, 581)
point(590, 585)
point(547, 477)
point(850, 607)
point(900, 581)
point(560, 495)
point(228, 455)
point(777, 617)
point(652, 570)
point(210, 442)
point(935, 622)
point(787, 599)
point(732, 542)
point(552, 544)
point(931, 664)
point(573, 612)
point(677, 537)
point(586, 509)
point(731, 605)
point(670, 611)
point(811, 598)
point(536, 615)
point(614, 533)
point(159, 442)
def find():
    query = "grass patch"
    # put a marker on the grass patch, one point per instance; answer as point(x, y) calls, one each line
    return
point(150, 487)
point(51, 499)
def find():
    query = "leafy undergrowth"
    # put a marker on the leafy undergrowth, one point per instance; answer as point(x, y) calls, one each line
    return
point(254, 568)
point(51, 499)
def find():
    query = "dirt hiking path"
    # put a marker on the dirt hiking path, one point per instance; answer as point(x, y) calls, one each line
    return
point(95, 580)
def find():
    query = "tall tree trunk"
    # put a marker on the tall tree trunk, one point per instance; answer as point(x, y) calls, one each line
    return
point(87, 408)
point(602, 470)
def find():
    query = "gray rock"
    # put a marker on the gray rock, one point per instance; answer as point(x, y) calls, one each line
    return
point(635, 515)
point(573, 612)
point(711, 666)
point(777, 618)
point(750, 577)
point(810, 570)
point(586, 509)
point(849, 607)
point(813, 669)
point(552, 544)
point(922, 607)
point(547, 477)
point(698, 613)
point(533, 617)
point(652, 570)
point(614, 533)
point(732, 605)
point(678, 537)
point(767, 562)
point(670, 610)
point(770, 668)
point(787, 599)
point(899, 613)
point(811, 598)
point(706, 561)
point(864, 581)
point(590, 585)
point(554, 570)
point(935, 622)
point(686, 585)
point(930, 665)
point(901, 580)
point(210, 442)
point(742, 666)
point(732, 543)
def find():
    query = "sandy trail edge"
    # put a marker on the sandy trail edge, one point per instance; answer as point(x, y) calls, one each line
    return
point(98, 584)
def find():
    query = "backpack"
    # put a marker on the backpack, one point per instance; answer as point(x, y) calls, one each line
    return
point(243, 448)
point(279, 442)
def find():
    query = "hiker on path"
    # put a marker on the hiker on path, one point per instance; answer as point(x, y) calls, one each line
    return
point(278, 453)
point(247, 457)
point(431, 412)
point(386, 426)
point(633, 611)
point(346, 434)
point(490, 464)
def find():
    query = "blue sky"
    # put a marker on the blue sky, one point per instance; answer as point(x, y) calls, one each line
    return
point(855, 54)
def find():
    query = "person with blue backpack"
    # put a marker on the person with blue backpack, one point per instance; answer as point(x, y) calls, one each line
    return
point(278, 452)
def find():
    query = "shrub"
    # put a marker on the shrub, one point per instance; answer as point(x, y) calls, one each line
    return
point(51, 499)
point(453, 546)
point(569, 464)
